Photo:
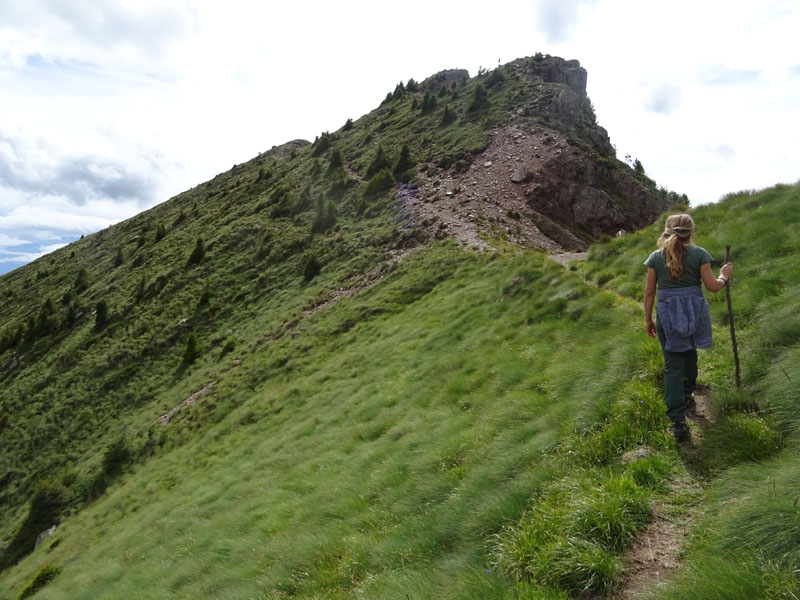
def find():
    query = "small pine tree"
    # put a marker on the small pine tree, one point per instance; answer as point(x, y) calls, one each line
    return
point(81, 281)
point(496, 78)
point(412, 86)
point(304, 202)
point(380, 162)
point(480, 99)
point(336, 161)
point(117, 258)
point(192, 351)
point(321, 144)
point(325, 217)
point(379, 184)
point(198, 253)
point(428, 103)
point(348, 125)
point(139, 289)
point(311, 268)
point(205, 295)
point(404, 164)
point(161, 231)
point(448, 116)
point(101, 314)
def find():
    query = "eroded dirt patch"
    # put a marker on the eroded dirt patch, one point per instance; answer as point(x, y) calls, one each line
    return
point(483, 202)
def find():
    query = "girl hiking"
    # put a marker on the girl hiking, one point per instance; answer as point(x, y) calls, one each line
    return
point(683, 321)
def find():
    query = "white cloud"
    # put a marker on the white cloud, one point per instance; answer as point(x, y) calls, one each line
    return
point(557, 19)
point(109, 107)
point(26, 257)
point(664, 99)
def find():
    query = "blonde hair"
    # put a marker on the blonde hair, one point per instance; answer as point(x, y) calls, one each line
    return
point(678, 232)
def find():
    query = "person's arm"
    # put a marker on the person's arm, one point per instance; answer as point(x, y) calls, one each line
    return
point(649, 301)
point(715, 284)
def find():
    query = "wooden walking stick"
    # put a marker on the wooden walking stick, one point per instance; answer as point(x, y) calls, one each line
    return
point(730, 319)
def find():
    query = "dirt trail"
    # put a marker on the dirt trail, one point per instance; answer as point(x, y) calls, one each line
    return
point(655, 551)
point(566, 257)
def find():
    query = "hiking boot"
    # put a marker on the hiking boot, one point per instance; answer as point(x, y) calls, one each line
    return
point(681, 432)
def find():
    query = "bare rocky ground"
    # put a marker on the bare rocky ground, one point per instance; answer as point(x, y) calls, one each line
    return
point(483, 203)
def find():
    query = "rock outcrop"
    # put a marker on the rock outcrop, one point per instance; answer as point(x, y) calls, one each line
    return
point(445, 78)
point(549, 177)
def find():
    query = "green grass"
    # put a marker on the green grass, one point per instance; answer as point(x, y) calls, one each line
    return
point(746, 544)
point(374, 460)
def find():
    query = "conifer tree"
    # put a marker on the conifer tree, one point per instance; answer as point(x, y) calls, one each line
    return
point(448, 116)
point(404, 164)
point(192, 351)
point(336, 161)
point(101, 314)
point(198, 253)
point(480, 98)
point(380, 162)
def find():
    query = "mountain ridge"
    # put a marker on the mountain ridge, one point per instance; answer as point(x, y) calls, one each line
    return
point(102, 338)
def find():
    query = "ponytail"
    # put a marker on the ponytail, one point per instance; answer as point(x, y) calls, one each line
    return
point(677, 232)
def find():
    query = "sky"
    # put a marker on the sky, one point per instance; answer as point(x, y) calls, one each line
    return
point(109, 107)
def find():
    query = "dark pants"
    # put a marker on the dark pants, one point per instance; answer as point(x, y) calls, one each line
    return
point(680, 375)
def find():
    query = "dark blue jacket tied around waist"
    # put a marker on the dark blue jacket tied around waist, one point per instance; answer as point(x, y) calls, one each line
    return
point(684, 315)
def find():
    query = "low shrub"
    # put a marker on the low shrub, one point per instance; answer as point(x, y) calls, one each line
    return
point(45, 575)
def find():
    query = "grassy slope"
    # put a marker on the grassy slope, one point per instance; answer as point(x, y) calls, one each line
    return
point(393, 444)
point(456, 429)
point(747, 545)
point(378, 460)
point(79, 385)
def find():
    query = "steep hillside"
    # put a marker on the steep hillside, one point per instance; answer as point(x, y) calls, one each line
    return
point(463, 428)
point(303, 377)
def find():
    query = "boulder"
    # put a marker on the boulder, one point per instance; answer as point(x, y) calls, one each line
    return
point(43, 536)
point(521, 175)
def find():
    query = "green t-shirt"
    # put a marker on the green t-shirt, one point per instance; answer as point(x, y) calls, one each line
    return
point(693, 259)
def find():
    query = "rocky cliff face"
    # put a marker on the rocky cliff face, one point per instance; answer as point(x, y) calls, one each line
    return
point(548, 177)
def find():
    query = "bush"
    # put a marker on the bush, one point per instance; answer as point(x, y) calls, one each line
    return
point(348, 125)
point(428, 103)
point(197, 254)
point(81, 281)
point(404, 164)
point(192, 351)
point(496, 78)
point(480, 99)
point(380, 184)
point(311, 268)
point(321, 144)
point(45, 507)
point(380, 162)
point(325, 217)
point(448, 116)
point(229, 347)
point(116, 456)
point(45, 575)
point(101, 314)
point(336, 161)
